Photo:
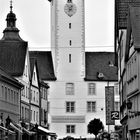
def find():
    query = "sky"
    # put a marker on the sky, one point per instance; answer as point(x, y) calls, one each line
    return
point(33, 21)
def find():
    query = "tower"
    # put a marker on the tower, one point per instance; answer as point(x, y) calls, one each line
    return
point(68, 38)
point(68, 53)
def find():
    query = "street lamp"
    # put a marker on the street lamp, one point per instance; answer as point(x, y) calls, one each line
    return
point(129, 107)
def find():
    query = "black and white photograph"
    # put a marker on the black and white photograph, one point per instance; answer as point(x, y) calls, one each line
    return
point(69, 69)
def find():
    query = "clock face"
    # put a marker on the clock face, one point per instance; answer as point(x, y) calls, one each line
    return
point(70, 9)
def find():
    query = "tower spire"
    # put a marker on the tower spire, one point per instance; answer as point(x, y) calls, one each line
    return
point(11, 6)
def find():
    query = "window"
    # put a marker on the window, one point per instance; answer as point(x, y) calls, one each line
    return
point(41, 91)
point(116, 91)
point(69, 88)
point(70, 128)
point(70, 107)
point(45, 115)
point(17, 101)
point(12, 96)
point(91, 87)
point(31, 115)
point(91, 106)
point(117, 106)
point(22, 110)
point(34, 76)
point(26, 93)
point(37, 97)
point(2, 91)
point(8, 95)
point(34, 115)
point(34, 96)
point(69, 58)
point(69, 25)
point(70, 42)
point(5, 93)
point(42, 114)
point(48, 107)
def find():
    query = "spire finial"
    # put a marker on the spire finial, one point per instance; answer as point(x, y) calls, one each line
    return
point(11, 2)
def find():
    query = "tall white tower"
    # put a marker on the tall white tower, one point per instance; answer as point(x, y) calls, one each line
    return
point(68, 38)
point(68, 51)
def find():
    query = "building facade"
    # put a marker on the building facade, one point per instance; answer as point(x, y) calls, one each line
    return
point(77, 79)
point(14, 58)
point(77, 95)
point(10, 92)
point(44, 110)
point(127, 49)
point(34, 93)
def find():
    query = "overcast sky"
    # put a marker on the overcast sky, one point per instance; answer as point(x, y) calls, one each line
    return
point(33, 21)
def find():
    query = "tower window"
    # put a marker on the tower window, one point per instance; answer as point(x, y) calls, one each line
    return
point(69, 88)
point(70, 42)
point(69, 0)
point(69, 25)
point(69, 58)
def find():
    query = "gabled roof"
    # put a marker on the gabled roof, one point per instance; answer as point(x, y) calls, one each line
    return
point(12, 56)
point(33, 62)
point(100, 63)
point(45, 64)
point(133, 28)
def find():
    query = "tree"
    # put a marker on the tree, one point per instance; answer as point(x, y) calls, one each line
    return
point(95, 126)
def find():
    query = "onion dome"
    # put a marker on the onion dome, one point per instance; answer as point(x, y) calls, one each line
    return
point(11, 32)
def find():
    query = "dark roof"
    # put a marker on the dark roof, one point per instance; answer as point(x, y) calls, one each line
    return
point(133, 28)
point(12, 56)
point(122, 7)
point(44, 63)
point(32, 64)
point(100, 62)
point(135, 23)
point(4, 76)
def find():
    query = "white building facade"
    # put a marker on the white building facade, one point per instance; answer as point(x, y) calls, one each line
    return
point(73, 101)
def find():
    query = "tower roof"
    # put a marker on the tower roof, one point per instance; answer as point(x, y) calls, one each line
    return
point(11, 33)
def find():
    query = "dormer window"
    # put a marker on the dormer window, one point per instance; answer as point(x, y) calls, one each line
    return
point(110, 63)
point(100, 75)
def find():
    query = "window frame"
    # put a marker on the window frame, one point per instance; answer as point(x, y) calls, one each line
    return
point(69, 88)
point(91, 88)
point(91, 106)
point(70, 129)
point(70, 106)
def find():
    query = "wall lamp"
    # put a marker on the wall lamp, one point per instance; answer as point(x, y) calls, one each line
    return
point(129, 107)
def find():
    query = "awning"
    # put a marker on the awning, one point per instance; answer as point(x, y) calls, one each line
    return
point(7, 130)
point(15, 128)
point(46, 131)
point(27, 131)
point(24, 129)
